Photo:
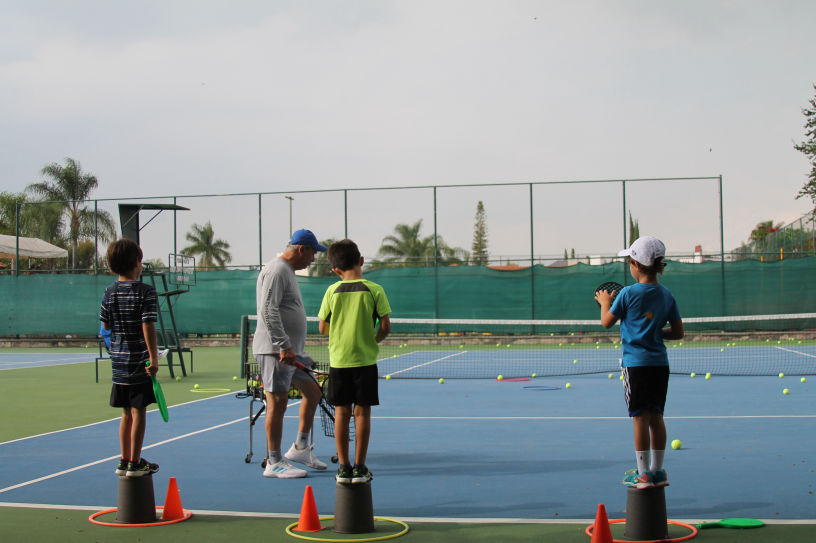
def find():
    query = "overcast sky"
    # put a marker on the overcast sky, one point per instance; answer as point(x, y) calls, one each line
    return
point(168, 97)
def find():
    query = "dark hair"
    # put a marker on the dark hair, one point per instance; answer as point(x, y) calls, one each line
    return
point(344, 254)
point(657, 267)
point(123, 255)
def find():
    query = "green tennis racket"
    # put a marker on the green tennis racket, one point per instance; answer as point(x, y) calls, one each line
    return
point(733, 523)
point(159, 393)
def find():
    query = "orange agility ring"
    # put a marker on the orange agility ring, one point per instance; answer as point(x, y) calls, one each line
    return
point(92, 518)
point(693, 533)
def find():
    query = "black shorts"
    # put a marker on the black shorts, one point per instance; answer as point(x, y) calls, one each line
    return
point(133, 396)
point(356, 386)
point(645, 388)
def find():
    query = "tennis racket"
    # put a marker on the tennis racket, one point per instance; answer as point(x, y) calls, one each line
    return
point(610, 286)
point(325, 406)
point(159, 393)
point(733, 523)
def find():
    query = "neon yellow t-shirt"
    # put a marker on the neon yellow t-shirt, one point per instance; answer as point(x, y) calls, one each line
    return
point(352, 308)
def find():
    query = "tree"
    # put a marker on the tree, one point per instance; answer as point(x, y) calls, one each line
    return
point(634, 229)
point(211, 252)
point(321, 266)
point(479, 255)
point(407, 246)
point(762, 231)
point(71, 187)
point(808, 148)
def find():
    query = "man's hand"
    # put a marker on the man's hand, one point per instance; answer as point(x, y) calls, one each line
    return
point(287, 356)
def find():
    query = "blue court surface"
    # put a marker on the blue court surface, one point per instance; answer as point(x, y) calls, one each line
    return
point(15, 361)
point(471, 449)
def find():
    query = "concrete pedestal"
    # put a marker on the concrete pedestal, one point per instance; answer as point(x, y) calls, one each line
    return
point(646, 514)
point(137, 504)
point(353, 509)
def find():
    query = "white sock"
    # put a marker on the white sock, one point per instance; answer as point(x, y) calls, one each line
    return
point(302, 440)
point(642, 461)
point(657, 459)
point(274, 457)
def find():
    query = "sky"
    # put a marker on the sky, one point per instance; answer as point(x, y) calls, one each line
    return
point(164, 98)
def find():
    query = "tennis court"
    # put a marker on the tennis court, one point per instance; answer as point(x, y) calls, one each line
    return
point(466, 449)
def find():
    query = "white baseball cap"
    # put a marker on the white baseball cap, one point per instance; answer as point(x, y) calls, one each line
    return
point(645, 250)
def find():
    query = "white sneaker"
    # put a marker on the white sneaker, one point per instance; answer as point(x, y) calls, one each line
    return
point(304, 456)
point(283, 470)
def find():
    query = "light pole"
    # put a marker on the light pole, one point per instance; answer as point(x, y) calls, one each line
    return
point(290, 214)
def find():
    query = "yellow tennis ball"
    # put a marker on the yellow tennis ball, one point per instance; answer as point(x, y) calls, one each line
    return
point(441, 381)
point(781, 375)
point(534, 376)
point(611, 375)
point(196, 386)
point(388, 377)
point(178, 378)
point(803, 380)
point(785, 391)
point(621, 377)
point(676, 444)
point(500, 378)
point(693, 374)
point(234, 377)
point(708, 376)
point(498, 344)
point(574, 361)
point(569, 385)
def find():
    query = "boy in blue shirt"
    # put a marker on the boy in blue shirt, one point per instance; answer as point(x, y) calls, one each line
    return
point(643, 309)
point(129, 310)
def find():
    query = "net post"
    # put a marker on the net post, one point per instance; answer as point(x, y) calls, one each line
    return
point(244, 339)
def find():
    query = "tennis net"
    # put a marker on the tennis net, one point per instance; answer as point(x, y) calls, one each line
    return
point(484, 349)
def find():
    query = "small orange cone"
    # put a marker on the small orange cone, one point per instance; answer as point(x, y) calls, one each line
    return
point(172, 503)
point(309, 521)
point(601, 532)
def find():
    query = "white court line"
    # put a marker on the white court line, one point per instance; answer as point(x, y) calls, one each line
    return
point(794, 351)
point(427, 363)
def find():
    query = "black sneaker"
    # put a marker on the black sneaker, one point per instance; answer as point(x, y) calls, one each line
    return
point(121, 467)
point(141, 468)
point(344, 474)
point(360, 474)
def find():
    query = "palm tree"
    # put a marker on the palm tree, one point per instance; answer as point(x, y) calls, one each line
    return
point(71, 187)
point(321, 266)
point(212, 252)
point(406, 245)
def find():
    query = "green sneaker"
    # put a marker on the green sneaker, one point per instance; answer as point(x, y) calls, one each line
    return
point(659, 478)
point(121, 467)
point(344, 474)
point(637, 480)
point(141, 468)
point(360, 474)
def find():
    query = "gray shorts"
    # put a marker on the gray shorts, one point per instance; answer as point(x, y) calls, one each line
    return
point(279, 377)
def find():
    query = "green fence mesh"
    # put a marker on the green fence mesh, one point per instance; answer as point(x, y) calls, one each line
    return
point(61, 304)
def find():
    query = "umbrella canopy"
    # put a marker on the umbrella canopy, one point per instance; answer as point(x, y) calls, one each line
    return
point(30, 247)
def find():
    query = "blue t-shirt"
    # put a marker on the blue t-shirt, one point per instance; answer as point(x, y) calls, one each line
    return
point(643, 310)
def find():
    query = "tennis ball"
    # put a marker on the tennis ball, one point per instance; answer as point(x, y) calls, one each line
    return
point(621, 377)
point(196, 386)
point(534, 376)
point(498, 344)
point(610, 375)
point(693, 374)
point(781, 375)
point(676, 444)
point(461, 346)
point(568, 385)
point(441, 381)
point(234, 377)
point(178, 378)
point(388, 377)
point(708, 376)
point(393, 356)
point(575, 361)
point(803, 380)
point(785, 391)
point(500, 378)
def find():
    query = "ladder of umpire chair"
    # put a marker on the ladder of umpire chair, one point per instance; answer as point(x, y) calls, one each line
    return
point(166, 330)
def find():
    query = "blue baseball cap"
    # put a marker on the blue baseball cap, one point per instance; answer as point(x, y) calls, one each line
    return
point(306, 237)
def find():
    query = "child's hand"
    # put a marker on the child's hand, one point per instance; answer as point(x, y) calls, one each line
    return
point(152, 369)
point(604, 297)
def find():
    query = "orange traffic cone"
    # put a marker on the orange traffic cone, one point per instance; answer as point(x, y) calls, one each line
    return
point(309, 521)
point(172, 503)
point(601, 532)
